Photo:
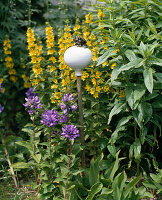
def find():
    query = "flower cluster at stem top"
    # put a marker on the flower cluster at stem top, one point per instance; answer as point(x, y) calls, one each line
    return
point(68, 103)
point(32, 102)
point(70, 132)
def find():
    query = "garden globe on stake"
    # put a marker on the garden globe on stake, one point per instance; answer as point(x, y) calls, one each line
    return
point(77, 57)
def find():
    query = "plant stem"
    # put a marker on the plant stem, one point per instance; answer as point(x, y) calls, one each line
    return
point(50, 149)
point(29, 13)
point(68, 171)
point(9, 163)
point(35, 171)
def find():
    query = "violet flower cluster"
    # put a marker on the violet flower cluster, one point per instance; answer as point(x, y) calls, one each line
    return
point(1, 107)
point(50, 118)
point(70, 132)
point(32, 102)
point(68, 104)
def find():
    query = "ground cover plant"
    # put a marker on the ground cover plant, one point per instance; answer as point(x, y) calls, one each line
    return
point(121, 91)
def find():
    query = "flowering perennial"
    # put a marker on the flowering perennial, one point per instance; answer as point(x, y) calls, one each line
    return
point(70, 132)
point(50, 118)
point(68, 103)
point(32, 102)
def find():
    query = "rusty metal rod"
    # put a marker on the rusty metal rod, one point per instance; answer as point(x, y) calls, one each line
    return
point(81, 120)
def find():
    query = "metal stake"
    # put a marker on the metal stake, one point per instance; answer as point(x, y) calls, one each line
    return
point(81, 119)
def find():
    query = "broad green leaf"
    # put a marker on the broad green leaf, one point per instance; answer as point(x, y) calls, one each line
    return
point(123, 121)
point(28, 145)
point(152, 27)
point(116, 193)
point(105, 56)
point(28, 130)
point(145, 112)
point(130, 186)
point(138, 62)
point(94, 170)
point(137, 149)
point(21, 165)
point(130, 55)
point(116, 109)
point(148, 79)
point(37, 157)
point(138, 94)
point(112, 150)
point(115, 167)
point(115, 73)
point(96, 188)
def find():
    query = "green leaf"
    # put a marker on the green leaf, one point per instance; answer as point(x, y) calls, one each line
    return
point(130, 55)
point(94, 170)
point(116, 109)
point(115, 167)
point(112, 149)
point(21, 165)
point(148, 79)
point(37, 157)
point(130, 186)
point(96, 188)
point(137, 149)
point(109, 53)
point(28, 145)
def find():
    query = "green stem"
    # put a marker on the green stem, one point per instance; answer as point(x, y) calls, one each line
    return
point(68, 171)
point(29, 13)
point(35, 171)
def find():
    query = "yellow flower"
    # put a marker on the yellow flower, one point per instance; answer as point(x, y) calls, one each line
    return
point(52, 59)
point(76, 27)
point(88, 18)
point(88, 87)
point(92, 90)
point(122, 93)
point(104, 64)
point(100, 14)
point(27, 85)
point(1, 80)
point(12, 71)
point(13, 78)
point(106, 88)
point(116, 51)
point(95, 95)
point(113, 65)
point(3, 90)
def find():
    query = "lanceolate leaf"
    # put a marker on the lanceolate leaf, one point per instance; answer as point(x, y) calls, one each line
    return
point(148, 79)
point(94, 190)
point(116, 109)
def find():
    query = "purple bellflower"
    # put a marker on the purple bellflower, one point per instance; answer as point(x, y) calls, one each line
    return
point(1, 108)
point(68, 103)
point(32, 102)
point(0, 88)
point(63, 119)
point(50, 118)
point(70, 132)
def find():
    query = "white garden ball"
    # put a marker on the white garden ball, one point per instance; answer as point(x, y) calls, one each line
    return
point(77, 58)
